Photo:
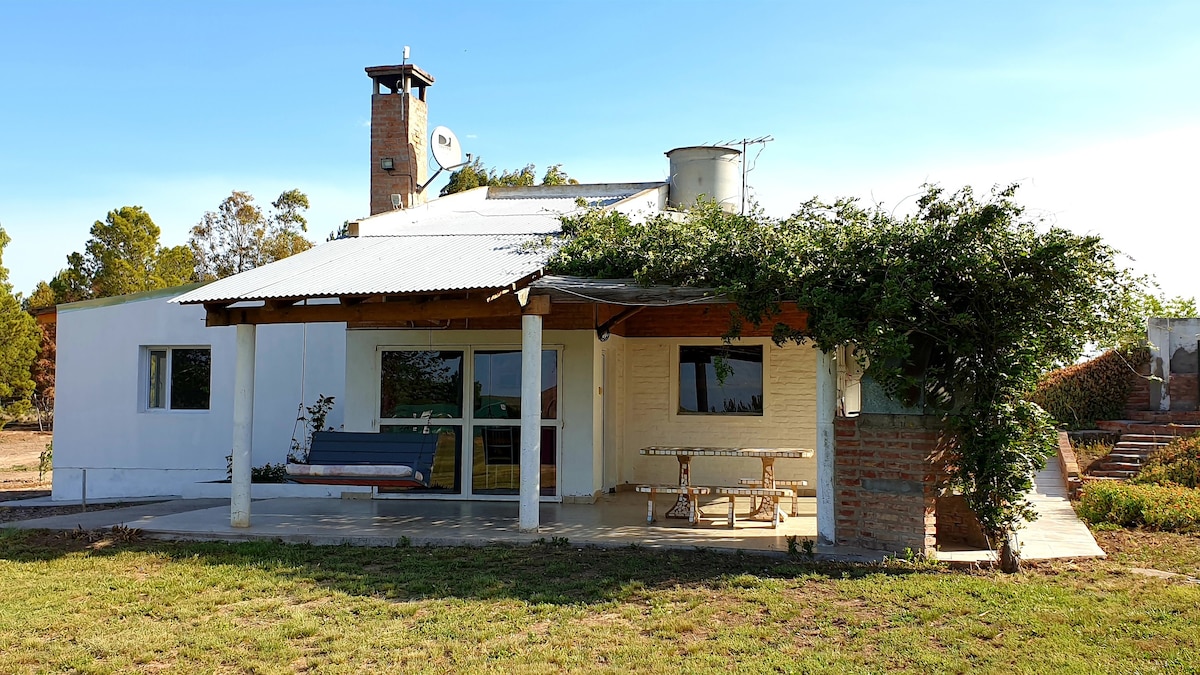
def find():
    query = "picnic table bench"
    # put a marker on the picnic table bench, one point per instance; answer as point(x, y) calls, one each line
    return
point(769, 496)
point(395, 459)
point(764, 512)
point(781, 482)
point(691, 491)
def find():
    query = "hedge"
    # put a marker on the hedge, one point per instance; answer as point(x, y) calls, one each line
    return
point(1078, 395)
point(1154, 507)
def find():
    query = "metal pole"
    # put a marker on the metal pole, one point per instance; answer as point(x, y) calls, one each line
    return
point(83, 491)
point(531, 422)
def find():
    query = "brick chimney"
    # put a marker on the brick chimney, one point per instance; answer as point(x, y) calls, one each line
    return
point(399, 121)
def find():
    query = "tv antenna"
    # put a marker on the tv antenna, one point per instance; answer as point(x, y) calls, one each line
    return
point(446, 152)
point(745, 143)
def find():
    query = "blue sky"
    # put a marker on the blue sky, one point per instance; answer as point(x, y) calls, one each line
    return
point(1093, 106)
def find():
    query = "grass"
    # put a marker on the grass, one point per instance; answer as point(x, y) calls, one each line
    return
point(112, 606)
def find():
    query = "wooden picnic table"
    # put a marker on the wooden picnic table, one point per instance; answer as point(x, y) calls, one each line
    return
point(683, 506)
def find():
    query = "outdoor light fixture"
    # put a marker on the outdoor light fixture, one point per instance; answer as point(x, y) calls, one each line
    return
point(386, 164)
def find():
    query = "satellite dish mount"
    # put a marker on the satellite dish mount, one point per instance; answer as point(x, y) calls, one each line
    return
point(446, 152)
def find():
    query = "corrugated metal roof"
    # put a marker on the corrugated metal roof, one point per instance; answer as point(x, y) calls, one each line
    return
point(389, 265)
point(522, 210)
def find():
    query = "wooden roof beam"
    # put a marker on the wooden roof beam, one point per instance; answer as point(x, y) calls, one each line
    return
point(397, 312)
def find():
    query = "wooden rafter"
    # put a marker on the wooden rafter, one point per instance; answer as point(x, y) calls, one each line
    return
point(398, 312)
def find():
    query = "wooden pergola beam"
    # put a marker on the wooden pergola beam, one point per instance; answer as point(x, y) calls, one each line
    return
point(378, 313)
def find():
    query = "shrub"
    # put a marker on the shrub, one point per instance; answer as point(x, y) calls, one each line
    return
point(269, 473)
point(1176, 464)
point(45, 461)
point(1079, 395)
point(1155, 507)
point(313, 419)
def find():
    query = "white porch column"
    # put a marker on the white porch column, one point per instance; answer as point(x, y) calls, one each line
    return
point(243, 426)
point(826, 409)
point(531, 421)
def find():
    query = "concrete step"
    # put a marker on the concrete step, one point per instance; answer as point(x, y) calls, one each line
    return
point(1098, 479)
point(1132, 458)
point(1113, 474)
point(1117, 466)
point(1147, 438)
point(1168, 417)
point(1147, 445)
point(1135, 427)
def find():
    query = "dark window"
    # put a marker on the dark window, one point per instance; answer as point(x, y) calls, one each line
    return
point(178, 378)
point(498, 385)
point(446, 473)
point(721, 380)
point(496, 460)
point(191, 374)
point(414, 383)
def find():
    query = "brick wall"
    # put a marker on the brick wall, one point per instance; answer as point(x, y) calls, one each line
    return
point(651, 415)
point(1185, 391)
point(398, 129)
point(890, 471)
point(1140, 390)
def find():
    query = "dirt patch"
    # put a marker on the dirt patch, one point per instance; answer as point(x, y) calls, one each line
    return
point(19, 456)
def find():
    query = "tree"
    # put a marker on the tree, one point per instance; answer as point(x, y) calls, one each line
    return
point(238, 236)
point(44, 369)
point(957, 308)
point(41, 297)
point(1130, 332)
point(73, 283)
point(476, 175)
point(555, 176)
point(122, 256)
point(19, 337)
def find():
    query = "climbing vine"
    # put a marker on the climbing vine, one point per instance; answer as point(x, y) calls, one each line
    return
point(957, 308)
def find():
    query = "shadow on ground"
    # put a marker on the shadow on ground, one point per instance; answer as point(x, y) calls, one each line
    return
point(552, 572)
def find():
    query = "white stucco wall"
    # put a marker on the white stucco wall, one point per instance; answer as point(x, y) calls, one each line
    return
point(650, 410)
point(100, 424)
point(579, 454)
point(1173, 352)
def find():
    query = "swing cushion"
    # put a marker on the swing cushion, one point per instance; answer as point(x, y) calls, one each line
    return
point(400, 459)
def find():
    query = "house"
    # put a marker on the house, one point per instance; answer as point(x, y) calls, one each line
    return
point(437, 317)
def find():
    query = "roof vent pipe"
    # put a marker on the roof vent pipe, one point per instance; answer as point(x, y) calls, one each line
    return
point(710, 171)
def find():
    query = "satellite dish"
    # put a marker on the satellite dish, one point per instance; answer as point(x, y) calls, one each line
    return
point(446, 151)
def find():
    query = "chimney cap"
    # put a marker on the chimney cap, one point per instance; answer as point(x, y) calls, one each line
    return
point(419, 77)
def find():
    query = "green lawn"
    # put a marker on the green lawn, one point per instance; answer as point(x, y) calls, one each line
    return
point(109, 606)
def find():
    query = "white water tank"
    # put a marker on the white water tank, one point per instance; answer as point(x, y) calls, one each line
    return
point(712, 171)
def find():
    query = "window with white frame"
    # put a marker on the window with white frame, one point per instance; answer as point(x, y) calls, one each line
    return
point(177, 378)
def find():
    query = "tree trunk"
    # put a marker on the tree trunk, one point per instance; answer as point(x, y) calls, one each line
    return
point(1010, 553)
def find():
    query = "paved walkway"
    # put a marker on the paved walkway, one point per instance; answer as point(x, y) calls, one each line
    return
point(616, 520)
point(1057, 533)
point(133, 516)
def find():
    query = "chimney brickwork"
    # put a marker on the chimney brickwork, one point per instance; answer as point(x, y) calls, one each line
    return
point(399, 130)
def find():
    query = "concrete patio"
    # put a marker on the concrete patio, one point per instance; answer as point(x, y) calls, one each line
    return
point(616, 520)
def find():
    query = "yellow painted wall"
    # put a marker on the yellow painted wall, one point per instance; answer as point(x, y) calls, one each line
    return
point(648, 388)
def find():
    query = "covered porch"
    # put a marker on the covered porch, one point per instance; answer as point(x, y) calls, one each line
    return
point(582, 405)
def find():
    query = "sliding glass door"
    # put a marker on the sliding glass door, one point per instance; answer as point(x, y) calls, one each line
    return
point(496, 428)
point(425, 391)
